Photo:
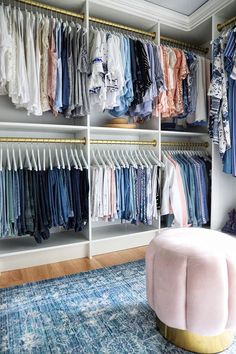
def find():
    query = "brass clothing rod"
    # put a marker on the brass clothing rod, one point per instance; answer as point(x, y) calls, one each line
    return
point(124, 142)
point(42, 140)
point(100, 141)
point(91, 18)
point(220, 26)
point(184, 44)
point(52, 8)
point(122, 27)
point(183, 144)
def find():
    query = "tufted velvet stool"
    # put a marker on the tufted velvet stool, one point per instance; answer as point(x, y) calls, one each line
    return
point(191, 286)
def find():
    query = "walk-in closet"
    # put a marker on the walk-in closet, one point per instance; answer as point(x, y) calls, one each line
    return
point(85, 134)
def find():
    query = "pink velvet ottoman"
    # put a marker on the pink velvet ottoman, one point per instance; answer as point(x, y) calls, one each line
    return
point(191, 286)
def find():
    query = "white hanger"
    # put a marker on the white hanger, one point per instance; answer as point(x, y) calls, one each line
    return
point(110, 159)
point(14, 159)
point(112, 155)
point(8, 160)
point(67, 159)
point(130, 158)
point(95, 159)
point(78, 160)
point(33, 158)
point(73, 159)
point(138, 159)
point(44, 159)
point(83, 159)
point(146, 164)
point(57, 159)
point(20, 159)
point(28, 159)
point(124, 158)
point(158, 161)
point(101, 159)
point(109, 162)
point(50, 158)
point(146, 158)
point(1, 158)
point(62, 159)
point(118, 156)
point(38, 159)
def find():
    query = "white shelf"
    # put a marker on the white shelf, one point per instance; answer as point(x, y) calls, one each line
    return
point(180, 133)
point(102, 233)
point(41, 127)
point(104, 130)
point(26, 244)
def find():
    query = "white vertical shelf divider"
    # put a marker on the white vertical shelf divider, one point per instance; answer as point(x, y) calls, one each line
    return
point(86, 24)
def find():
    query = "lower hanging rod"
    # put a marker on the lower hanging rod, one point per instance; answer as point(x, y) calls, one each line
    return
point(184, 144)
point(124, 142)
point(100, 141)
point(42, 140)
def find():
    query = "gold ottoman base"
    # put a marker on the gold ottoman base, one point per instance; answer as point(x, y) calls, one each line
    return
point(194, 342)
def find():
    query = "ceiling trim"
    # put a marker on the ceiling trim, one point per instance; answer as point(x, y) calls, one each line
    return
point(155, 13)
point(206, 11)
point(146, 10)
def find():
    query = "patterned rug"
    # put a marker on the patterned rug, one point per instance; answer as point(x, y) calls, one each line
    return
point(101, 311)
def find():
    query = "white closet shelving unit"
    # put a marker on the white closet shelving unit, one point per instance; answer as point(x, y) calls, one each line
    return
point(97, 237)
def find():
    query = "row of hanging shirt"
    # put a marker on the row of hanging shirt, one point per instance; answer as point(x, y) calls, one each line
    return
point(43, 63)
point(42, 189)
point(125, 186)
point(222, 92)
point(186, 188)
point(138, 78)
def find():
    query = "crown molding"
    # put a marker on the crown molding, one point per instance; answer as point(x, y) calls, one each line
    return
point(206, 11)
point(146, 10)
point(154, 13)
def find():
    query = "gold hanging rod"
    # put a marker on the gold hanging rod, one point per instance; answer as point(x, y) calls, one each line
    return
point(122, 27)
point(183, 144)
point(42, 140)
point(91, 18)
point(124, 142)
point(184, 44)
point(220, 26)
point(52, 8)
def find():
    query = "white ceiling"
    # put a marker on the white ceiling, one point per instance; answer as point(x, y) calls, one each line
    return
point(185, 7)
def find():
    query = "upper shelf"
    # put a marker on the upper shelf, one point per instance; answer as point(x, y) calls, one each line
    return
point(40, 127)
point(181, 133)
point(106, 130)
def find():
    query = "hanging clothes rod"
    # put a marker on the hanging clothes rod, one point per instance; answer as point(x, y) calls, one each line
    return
point(42, 140)
point(184, 44)
point(52, 8)
point(124, 142)
point(183, 144)
point(91, 18)
point(220, 26)
point(99, 141)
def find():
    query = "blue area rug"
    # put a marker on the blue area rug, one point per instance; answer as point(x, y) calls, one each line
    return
point(101, 311)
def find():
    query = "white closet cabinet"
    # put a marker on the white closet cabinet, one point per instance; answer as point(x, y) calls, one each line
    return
point(101, 237)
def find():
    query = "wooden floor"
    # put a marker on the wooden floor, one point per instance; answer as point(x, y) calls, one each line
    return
point(54, 270)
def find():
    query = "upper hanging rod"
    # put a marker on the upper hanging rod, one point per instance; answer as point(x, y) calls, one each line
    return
point(93, 19)
point(184, 44)
point(220, 26)
point(42, 140)
point(52, 8)
point(124, 142)
point(112, 24)
point(184, 144)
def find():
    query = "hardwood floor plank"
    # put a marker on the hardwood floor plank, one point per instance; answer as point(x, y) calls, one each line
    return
point(49, 271)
